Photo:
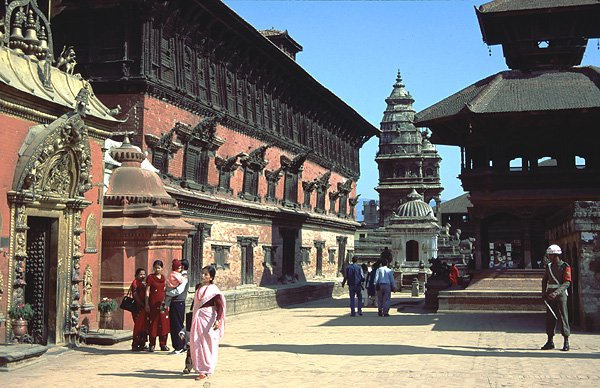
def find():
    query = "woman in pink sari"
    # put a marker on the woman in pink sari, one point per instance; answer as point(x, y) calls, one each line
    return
point(208, 324)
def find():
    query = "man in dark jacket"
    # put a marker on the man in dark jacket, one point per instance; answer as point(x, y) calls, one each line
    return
point(354, 278)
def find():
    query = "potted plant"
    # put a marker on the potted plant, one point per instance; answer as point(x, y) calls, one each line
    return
point(20, 314)
point(106, 307)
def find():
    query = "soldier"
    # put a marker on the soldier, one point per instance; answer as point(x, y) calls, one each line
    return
point(555, 283)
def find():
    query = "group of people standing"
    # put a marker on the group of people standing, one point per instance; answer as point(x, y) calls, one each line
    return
point(160, 302)
point(377, 282)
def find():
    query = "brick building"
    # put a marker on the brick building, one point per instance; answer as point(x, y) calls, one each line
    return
point(261, 158)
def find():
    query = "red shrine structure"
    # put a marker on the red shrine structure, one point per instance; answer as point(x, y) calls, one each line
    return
point(525, 134)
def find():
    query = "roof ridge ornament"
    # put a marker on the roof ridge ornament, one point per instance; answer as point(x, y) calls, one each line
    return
point(25, 15)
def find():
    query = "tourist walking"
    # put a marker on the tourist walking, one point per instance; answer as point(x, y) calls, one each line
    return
point(155, 295)
point(354, 278)
point(178, 296)
point(384, 283)
point(371, 284)
point(208, 324)
point(140, 318)
point(556, 281)
point(363, 285)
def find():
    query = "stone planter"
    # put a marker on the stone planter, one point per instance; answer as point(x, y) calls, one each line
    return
point(106, 319)
point(19, 327)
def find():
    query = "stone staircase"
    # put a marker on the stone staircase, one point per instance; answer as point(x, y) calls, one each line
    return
point(505, 290)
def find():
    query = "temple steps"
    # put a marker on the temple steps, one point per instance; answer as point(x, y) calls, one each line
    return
point(504, 290)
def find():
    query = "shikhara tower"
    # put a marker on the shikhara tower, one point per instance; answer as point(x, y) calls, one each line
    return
point(406, 158)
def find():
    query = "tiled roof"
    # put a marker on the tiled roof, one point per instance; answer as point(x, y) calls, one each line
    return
point(519, 91)
point(456, 205)
point(520, 5)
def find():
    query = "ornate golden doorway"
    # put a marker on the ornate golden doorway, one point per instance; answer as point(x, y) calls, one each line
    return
point(51, 177)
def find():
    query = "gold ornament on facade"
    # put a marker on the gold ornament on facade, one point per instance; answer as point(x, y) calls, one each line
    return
point(91, 235)
point(88, 279)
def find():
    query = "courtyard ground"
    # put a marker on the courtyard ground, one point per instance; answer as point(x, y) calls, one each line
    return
point(318, 344)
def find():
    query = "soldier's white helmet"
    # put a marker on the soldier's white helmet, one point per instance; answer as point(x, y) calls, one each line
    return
point(553, 250)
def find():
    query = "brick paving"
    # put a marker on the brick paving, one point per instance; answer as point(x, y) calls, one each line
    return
point(318, 344)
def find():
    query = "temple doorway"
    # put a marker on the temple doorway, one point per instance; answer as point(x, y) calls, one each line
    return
point(412, 250)
point(41, 277)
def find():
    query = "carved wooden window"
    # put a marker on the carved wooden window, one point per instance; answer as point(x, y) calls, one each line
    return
point(160, 160)
point(271, 190)
point(221, 256)
point(268, 112)
point(305, 255)
point(251, 101)
point(251, 181)
point(212, 83)
point(193, 251)
point(306, 186)
point(230, 91)
point(225, 180)
point(343, 206)
point(155, 52)
point(260, 107)
point(290, 193)
point(189, 70)
point(167, 60)
point(321, 193)
point(196, 165)
point(202, 79)
point(331, 257)
point(221, 86)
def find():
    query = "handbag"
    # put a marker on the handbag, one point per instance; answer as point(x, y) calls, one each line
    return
point(128, 303)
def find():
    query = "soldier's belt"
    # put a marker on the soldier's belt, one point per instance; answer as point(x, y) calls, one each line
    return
point(552, 286)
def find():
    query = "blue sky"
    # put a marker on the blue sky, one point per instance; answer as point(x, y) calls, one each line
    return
point(354, 48)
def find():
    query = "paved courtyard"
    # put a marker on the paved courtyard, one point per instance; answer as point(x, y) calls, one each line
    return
point(318, 344)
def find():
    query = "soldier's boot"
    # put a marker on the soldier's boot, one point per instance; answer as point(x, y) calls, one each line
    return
point(549, 344)
point(566, 345)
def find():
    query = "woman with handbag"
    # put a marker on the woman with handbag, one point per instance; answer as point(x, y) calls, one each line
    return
point(140, 318)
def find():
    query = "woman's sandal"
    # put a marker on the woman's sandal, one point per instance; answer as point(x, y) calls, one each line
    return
point(201, 376)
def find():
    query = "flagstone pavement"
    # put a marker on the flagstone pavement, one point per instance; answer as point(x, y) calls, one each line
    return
point(318, 344)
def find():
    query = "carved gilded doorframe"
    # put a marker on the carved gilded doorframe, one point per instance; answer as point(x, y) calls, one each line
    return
point(51, 177)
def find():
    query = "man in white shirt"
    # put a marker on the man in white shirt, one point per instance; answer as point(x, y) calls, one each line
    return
point(384, 283)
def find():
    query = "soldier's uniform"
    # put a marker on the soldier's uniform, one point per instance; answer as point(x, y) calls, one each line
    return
point(556, 281)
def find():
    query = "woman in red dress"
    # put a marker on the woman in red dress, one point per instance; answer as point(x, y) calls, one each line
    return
point(140, 318)
point(155, 294)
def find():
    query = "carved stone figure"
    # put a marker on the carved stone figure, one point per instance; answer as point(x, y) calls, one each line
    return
point(91, 235)
point(446, 230)
point(457, 234)
point(88, 278)
point(66, 61)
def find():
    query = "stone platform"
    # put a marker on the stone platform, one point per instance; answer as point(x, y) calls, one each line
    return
point(506, 290)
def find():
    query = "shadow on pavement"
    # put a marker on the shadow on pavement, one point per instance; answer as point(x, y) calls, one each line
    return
point(103, 350)
point(499, 322)
point(150, 374)
point(391, 350)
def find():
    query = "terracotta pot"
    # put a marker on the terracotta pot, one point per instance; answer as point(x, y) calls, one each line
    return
point(105, 319)
point(19, 327)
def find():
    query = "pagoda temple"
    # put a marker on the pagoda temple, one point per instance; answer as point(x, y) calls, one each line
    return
point(524, 134)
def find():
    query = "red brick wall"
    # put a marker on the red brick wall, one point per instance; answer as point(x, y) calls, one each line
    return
point(14, 131)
